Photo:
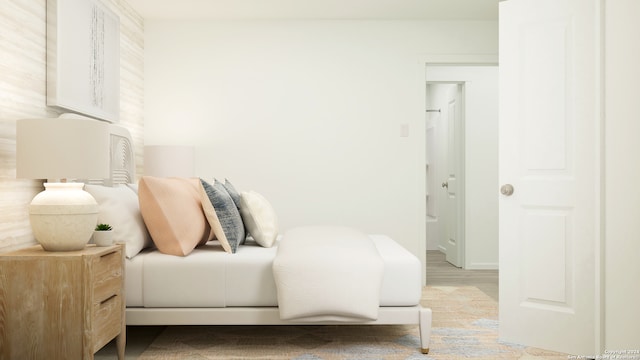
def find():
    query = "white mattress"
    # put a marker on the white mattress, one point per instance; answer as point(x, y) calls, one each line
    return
point(209, 277)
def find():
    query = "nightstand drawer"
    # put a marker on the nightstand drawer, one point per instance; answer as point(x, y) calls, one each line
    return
point(108, 263)
point(107, 276)
point(107, 320)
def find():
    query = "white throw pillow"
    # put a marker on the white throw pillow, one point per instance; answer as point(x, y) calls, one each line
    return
point(119, 207)
point(259, 218)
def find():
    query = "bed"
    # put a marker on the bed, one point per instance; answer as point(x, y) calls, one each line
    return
point(254, 284)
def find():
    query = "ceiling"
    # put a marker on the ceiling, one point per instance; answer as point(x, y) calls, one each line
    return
point(318, 9)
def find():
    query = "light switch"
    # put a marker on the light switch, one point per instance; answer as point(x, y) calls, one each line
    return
point(404, 130)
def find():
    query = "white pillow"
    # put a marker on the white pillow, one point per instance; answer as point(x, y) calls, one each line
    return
point(133, 187)
point(259, 218)
point(118, 206)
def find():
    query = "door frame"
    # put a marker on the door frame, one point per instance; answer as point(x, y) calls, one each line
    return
point(425, 61)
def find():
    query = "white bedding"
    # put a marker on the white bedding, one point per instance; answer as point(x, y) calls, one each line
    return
point(209, 277)
point(327, 273)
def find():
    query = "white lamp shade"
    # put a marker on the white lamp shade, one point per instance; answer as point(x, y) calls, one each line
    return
point(169, 161)
point(62, 148)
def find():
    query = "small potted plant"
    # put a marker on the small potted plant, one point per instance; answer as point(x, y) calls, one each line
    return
point(103, 235)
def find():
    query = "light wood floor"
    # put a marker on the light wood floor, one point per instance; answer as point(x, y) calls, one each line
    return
point(440, 272)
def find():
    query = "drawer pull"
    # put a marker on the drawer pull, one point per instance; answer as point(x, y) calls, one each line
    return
point(107, 299)
point(107, 254)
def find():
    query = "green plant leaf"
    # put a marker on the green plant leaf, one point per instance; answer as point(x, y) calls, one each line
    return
point(103, 227)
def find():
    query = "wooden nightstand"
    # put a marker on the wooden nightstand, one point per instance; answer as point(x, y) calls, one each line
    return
point(61, 305)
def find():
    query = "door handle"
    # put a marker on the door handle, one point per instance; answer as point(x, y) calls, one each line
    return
point(445, 184)
point(506, 189)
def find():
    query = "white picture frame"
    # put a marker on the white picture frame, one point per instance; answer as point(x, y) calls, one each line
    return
point(83, 58)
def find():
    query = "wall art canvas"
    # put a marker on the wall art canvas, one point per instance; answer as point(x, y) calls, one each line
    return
point(83, 58)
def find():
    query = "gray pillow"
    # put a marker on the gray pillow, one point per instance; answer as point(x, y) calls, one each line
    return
point(235, 195)
point(227, 214)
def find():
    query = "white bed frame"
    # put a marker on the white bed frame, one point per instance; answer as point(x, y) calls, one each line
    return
point(406, 315)
point(123, 171)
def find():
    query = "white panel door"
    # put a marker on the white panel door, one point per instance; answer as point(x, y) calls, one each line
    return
point(454, 234)
point(549, 152)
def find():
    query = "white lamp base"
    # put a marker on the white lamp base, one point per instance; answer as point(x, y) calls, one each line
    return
point(63, 216)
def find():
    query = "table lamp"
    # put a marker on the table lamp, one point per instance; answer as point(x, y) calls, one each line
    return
point(61, 150)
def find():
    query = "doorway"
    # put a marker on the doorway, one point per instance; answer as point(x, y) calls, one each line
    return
point(461, 147)
point(444, 176)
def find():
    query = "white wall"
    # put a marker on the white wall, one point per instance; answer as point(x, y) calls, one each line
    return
point(480, 158)
point(622, 176)
point(306, 112)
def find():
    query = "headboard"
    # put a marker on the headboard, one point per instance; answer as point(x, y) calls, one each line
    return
point(122, 162)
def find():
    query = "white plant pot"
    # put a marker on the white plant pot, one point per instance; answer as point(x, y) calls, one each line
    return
point(63, 216)
point(103, 237)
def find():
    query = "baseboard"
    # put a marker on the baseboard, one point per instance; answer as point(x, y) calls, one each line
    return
point(442, 249)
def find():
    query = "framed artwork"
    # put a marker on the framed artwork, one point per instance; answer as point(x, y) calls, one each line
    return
point(83, 58)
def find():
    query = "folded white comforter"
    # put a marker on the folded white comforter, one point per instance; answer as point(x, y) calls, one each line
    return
point(327, 273)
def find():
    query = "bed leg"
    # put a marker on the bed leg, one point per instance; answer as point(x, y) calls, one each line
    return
point(425, 315)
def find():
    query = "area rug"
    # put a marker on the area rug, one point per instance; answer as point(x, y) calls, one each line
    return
point(465, 326)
